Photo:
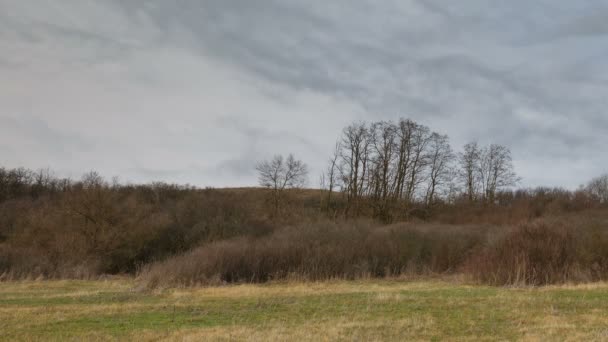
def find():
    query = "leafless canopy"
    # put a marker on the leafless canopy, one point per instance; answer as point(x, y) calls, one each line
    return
point(385, 163)
point(391, 166)
point(279, 174)
point(282, 173)
point(598, 188)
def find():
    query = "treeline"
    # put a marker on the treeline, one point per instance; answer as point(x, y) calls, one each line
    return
point(20, 182)
point(59, 228)
point(386, 169)
point(53, 227)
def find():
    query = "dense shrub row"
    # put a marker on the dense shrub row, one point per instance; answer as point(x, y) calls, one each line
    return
point(323, 251)
point(531, 254)
point(544, 253)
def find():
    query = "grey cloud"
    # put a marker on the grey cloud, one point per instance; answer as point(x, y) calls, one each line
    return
point(255, 135)
point(240, 167)
point(46, 138)
point(593, 24)
point(529, 74)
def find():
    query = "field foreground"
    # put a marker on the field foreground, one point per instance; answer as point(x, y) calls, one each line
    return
point(340, 310)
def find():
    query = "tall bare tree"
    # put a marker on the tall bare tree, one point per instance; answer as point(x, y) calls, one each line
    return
point(330, 178)
point(394, 167)
point(419, 160)
point(440, 161)
point(496, 170)
point(354, 157)
point(598, 188)
point(405, 132)
point(280, 174)
point(383, 136)
point(468, 173)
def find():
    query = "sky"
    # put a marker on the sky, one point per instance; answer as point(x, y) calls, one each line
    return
point(197, 91)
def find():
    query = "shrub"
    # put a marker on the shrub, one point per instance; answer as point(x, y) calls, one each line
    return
point(542, 253)
point(321, 251)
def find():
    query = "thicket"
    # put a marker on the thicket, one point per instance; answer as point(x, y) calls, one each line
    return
point(460, 215)
point(322, 251)
point(60, 228)
point(536, 253)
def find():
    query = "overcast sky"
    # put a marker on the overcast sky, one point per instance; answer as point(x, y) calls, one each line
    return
point(197, 90)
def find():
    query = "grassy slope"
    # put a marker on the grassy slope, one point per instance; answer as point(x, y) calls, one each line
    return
point(366, 310)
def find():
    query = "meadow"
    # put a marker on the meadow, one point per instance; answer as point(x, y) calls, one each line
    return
point(362, 310)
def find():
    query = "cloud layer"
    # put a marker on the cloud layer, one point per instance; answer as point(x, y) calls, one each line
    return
point(192, 91)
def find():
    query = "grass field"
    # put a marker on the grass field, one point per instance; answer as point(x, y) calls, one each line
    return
point(362, 311)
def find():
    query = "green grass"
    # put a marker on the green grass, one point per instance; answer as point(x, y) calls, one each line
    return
point(362, 310)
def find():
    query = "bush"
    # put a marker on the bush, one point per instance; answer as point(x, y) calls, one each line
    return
point(538, 253)
point(321, 251)
point(543, 253)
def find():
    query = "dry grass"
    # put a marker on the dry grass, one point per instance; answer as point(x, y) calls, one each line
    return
point(319, 311)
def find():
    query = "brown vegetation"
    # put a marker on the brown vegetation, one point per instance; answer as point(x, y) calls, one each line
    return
point(173, 235)
point(90, 228)
point(323, 251)
point(537, 253)
point(395, 200)
point(544, 252)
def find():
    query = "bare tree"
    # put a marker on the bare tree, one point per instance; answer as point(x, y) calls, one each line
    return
point(93, 201)
point(419, 159)
point(330, 178)
point(440, 165)
point(391, 166)
point(468, 161)
point(383, 135)
point(598, 188)
point(405, 132)
point(280, 174)
point(485, 171)
point(354, 161)
point(496, 170)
